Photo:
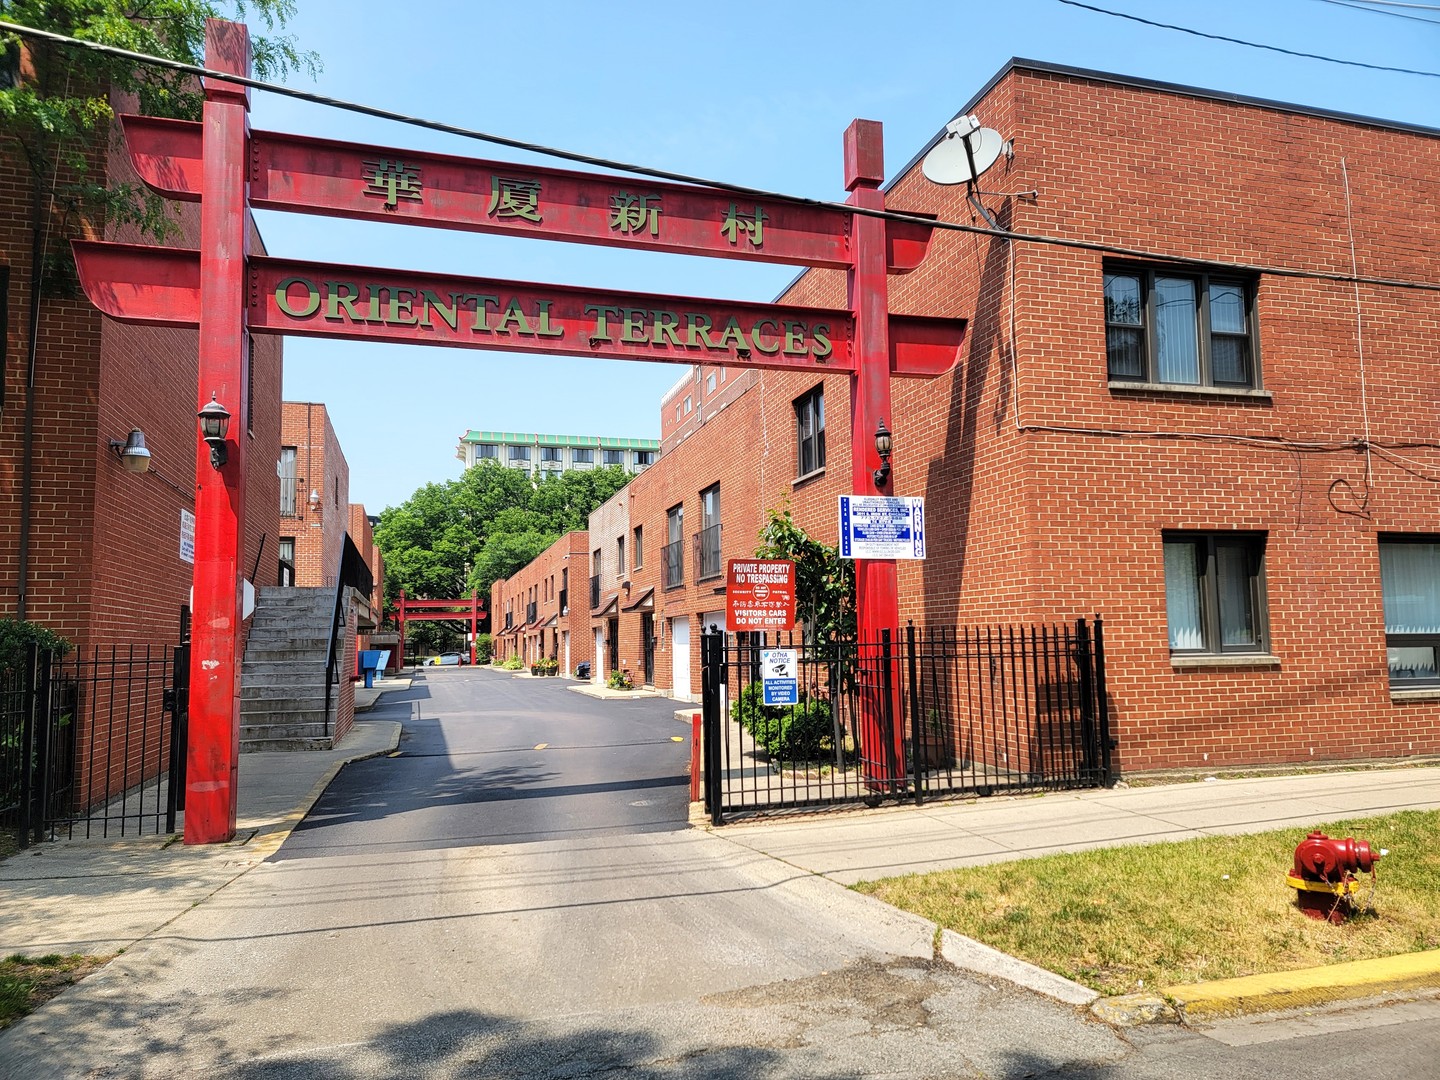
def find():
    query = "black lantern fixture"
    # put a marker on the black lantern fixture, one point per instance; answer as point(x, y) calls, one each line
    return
point(882, 447)
point(214, 423)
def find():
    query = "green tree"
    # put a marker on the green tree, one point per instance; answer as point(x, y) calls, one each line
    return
point(824, 582)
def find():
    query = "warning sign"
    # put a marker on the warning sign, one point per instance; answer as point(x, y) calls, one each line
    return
point(760, 594)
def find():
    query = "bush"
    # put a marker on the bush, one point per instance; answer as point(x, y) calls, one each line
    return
point(14, 636)
point(619, 680)
point(513, 664)
point(484, 648)
point(800, 732)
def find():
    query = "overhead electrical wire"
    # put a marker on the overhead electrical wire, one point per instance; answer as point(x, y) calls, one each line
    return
point(684, 178)
point(1358, 6)
point(1247, 44)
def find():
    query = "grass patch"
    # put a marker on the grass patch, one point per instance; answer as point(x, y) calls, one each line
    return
point(27, 982)
point(1117, 919)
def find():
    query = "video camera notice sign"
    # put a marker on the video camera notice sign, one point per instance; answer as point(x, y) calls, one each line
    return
point(779, 676)
point(881, 527)
point(760, 594)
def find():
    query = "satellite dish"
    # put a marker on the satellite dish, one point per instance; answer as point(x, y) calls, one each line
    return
point(966, 151)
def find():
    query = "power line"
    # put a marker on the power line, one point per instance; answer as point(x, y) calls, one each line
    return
point(1248, 44)
point(776, 196)
point(1361, 6)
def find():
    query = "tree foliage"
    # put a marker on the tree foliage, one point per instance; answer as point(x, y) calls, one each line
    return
point(824, 582)
point(58, 112)
point(465, 534)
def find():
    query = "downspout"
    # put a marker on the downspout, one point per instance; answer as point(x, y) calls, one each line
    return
point(27, 466)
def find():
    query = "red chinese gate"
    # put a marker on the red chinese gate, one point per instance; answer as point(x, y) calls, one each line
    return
point(228, 295)
point(433, 610)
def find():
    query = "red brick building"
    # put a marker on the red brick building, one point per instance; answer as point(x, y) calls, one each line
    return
point(1194, 398)
point(541, 612)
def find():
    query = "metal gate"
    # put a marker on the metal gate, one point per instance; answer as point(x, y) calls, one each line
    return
point(933, 711)
point(93, 744)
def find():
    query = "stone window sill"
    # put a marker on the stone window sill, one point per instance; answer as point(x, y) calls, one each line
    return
point(1419, 693)
point(1194, 391)
point(809, 476)
point(1224, 660)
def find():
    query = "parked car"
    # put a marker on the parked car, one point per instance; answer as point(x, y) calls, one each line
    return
point(447, 659)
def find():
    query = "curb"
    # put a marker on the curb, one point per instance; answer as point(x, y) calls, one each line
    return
point(970, 955)
point(267, 840)
point(1308, 986)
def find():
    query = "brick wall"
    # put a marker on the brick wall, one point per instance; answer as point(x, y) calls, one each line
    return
point(321, 469)
point(561, 568)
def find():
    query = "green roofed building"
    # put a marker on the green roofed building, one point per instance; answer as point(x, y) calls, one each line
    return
point(544, 455)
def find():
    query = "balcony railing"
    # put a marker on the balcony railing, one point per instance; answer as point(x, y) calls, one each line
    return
point(594, 592)
point(530, 610)
point(707, 553)
point(674, 558)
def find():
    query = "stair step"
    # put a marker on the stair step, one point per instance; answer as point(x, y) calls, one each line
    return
point(266, 745)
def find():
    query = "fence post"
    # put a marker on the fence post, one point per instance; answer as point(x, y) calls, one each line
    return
point(711, 647)
point(894, 735)
point(1102, 706)
point(1085, 661)
point(30, 696)
point(915, 727)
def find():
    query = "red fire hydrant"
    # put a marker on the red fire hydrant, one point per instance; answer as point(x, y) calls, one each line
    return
point(1324, 875)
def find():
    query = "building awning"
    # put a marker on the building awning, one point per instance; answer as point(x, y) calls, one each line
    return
point(609, 604)
point(551, 623)
point(646, 601)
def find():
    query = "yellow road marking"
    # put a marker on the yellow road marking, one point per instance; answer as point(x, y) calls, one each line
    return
point(677, 738)
point(541, 746)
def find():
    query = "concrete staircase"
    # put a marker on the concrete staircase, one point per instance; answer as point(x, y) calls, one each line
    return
point(282, 678)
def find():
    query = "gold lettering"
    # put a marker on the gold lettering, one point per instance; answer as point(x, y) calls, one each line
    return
point(794, 338)
point(823, 346)
point(759, 342)
point(697, 331)
point(632, 328)
point(397, 305)
point(733, 336)
point(433, 303)
point(666, 326)
point(513, 317)
point(546, 329)
point(603, 314)
point(342, 294)
point(483, 303)
point(312, 298)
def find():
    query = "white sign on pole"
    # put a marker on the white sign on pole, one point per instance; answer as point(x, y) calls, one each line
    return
point(187, 537)
point(881, 527)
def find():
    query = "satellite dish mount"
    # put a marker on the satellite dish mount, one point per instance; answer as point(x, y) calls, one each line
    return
point(965, 152)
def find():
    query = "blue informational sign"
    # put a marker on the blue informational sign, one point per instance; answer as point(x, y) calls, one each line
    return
point(881, 527)
point(780, 676)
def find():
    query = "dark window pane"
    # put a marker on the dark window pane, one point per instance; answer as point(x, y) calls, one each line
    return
point(1237, 598)
point(1230, 360)
point(1122, 299)
point(1126, 351)
point(1178, 353)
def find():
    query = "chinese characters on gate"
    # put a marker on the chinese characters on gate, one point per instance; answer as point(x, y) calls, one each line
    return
point(519, 199)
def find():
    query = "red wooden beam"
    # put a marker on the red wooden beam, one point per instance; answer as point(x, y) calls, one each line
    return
point(161, 286)
point(340, 179)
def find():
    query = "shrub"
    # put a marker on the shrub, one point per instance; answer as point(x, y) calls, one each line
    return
point(15, 635)
point(800, 732)
point(619, 680)
point(513, 664)
point(484, 648)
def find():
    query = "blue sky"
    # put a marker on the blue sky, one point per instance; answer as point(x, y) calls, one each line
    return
point(750, 93)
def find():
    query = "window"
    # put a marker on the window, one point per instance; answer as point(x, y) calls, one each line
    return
point(620, 556)
point(582, 457)
point(519, 453)
point(287, 561)
point(288, 482)
point(1179, 328)
point(677, 412)
point(638, 547)
point(674, 553)
point(612, 457)
point(486, 450)
point(1215, 592)
point(644, 458)
point(710, 383)
point(550, 453)
point(688, 406)
point(708, 539)
point(810, 432)
point(1410, 582)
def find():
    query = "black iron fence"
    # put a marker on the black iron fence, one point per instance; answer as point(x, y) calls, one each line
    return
point(92, 744)
point(922, 713)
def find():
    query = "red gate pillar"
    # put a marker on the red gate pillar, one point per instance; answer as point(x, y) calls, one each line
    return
point(400, 645)
point(213, 756)
point(474, 622)
point(876, 594)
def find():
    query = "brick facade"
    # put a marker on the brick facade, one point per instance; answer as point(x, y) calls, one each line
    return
point(1051, 487)
point(556, 583)
point(322, 492)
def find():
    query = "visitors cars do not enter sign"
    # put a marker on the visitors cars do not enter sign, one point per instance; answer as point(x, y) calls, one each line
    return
point(760, 594)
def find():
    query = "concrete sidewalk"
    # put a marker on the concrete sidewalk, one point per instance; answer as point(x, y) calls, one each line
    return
point(102, 896)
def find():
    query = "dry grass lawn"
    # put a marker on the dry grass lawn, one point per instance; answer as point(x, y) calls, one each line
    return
point(1122, 919)
point(28, 982)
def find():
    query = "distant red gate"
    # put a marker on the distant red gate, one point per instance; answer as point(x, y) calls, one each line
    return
point(434, 610)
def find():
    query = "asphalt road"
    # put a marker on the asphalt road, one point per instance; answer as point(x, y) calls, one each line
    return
point(516, 895)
